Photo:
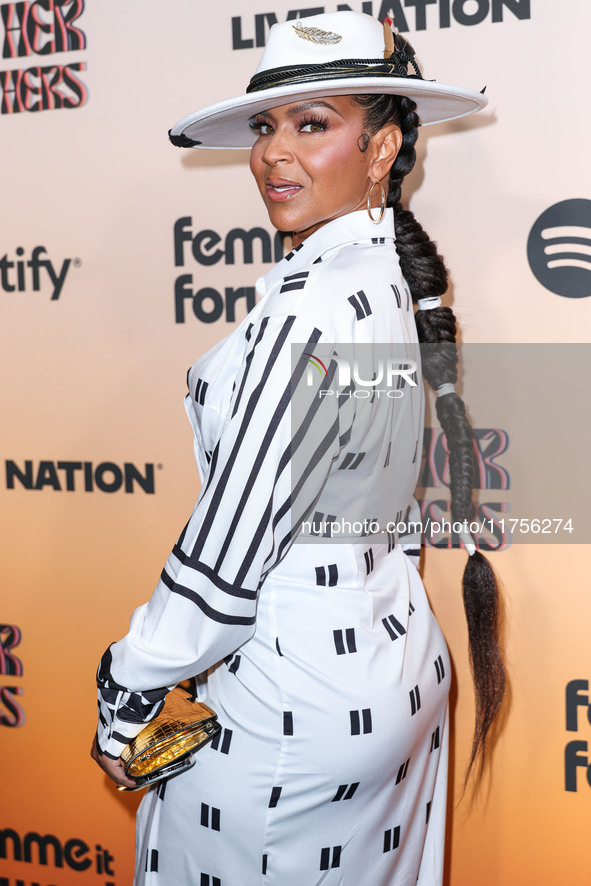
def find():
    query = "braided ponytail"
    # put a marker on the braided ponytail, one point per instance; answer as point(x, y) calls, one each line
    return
point(426, 275)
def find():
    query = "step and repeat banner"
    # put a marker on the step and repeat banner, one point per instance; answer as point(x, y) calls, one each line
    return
point(122, 259)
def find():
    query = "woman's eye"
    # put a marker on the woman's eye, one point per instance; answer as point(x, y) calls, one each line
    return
point(260, 127)
point(313, 126)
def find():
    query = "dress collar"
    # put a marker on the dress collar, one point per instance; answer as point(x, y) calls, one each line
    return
point(354, 227)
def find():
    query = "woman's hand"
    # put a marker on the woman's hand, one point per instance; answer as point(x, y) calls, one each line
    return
point(113, 768)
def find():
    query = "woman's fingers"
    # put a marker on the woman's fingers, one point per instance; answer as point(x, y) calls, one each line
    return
point(113, 768)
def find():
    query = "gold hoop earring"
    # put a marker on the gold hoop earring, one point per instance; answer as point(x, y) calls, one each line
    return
point(376, 221)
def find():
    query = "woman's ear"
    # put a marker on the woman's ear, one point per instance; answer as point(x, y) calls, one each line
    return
point(387, 143)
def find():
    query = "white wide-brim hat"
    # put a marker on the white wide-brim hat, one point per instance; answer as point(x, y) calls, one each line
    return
point(338, 53)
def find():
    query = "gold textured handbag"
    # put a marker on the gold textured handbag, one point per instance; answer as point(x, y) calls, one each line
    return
point(167, 744)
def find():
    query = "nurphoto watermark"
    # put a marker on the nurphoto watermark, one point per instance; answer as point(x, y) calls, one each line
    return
point(391, 373)
point(369, 459)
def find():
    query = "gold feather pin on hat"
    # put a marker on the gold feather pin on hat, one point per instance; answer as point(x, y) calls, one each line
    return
point(316, 35)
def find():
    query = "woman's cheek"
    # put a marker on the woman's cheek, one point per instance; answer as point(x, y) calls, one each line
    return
point(256, 164)
point(326, 164)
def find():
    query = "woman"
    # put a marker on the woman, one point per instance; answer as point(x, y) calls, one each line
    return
point(322, 659)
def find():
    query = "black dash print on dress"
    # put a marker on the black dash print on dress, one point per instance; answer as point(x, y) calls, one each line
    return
point(391, 540)
point(394, 628)
point(344, 438)
point(330, 858)
point(233, 662)
point(221, 741)
point(361, 304)
point(399, 297)
point(392, 839)
point(161, 790)
point(345, 792)
point(291, 254)
point(378, 241)
point(349, 640)
point(434, 740)
point(200, 391)
point(152, 860)
point(206, 880)
point(415, 700)
point(317, 260)
point(322, 524)
point(402, 771)
point(277, 646)
point(387, 460)
point(294, 281)
point(356, 721)
point(374, 376)
point(351, 461)
point(411, 609)
point(288, 722)
point(275, 794)
point(368, 555)
point(265, 858)
point(428, 812)
point(205, 817)
point(439, 668)
point(333, 575)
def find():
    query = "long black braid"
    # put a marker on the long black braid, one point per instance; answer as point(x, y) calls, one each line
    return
point(426, 275)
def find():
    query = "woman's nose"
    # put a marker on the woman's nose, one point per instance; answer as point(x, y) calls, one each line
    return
point(277, 149)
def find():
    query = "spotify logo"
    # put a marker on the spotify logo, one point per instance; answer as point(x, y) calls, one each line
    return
point(559, 248)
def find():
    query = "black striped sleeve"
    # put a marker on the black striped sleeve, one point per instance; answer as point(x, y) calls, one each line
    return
point(204, 607)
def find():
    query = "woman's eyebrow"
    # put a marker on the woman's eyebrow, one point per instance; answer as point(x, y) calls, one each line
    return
point(307, 106)
point(297, 109)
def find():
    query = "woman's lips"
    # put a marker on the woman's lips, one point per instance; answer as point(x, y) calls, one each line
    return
point(280, 189)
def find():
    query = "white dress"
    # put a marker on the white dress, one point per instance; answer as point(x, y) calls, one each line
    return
point(322, 658)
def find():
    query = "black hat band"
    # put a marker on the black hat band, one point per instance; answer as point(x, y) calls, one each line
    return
point(395, 66)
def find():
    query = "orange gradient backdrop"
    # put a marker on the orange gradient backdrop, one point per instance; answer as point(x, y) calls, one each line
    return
point(96, 375)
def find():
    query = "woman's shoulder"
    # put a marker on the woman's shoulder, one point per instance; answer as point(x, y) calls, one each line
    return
point(337, 288)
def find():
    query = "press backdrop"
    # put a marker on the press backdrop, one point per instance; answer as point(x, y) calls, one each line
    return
point(122, 259)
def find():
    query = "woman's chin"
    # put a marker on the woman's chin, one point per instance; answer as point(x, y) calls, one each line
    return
point(282, 217)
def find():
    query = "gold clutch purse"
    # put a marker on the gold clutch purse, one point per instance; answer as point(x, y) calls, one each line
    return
point(167, 744)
